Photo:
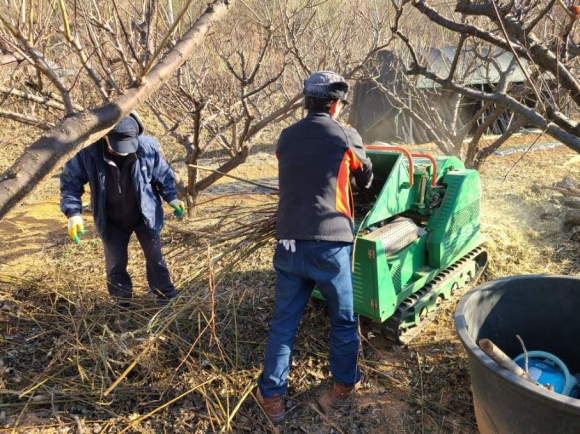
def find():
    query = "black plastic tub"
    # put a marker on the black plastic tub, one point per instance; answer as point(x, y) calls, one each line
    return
point(545, 312)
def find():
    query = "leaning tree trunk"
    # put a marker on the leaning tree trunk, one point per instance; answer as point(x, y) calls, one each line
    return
point(42, 156)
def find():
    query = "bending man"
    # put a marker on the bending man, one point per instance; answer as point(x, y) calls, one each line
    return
point(128, 177)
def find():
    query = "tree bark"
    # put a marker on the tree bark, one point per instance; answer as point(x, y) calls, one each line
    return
point(83, 128)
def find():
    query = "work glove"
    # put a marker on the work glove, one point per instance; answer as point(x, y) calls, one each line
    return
point(288, 244)
point(178, 206)
point(76, 227)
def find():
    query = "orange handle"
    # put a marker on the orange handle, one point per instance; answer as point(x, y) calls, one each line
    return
point(434, 163)
point(410, 158)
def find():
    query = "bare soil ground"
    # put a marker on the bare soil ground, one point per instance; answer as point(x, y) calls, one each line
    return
point(72, 362)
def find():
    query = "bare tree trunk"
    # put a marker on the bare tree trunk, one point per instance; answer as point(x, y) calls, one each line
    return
point(83, 128)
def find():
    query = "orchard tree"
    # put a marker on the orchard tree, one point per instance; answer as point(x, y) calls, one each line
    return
point(541, 36)
point(74, 69)
point(247, 78)
point(57, 63)
point(391, 105)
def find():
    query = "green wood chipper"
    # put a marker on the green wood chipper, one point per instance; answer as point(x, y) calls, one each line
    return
point(418, 239)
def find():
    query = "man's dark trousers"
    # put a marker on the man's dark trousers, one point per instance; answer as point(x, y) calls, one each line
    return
point(116, 258)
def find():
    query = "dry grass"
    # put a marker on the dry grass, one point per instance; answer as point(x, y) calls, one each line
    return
point(73, 362)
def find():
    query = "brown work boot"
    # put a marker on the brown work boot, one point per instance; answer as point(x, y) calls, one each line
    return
point(342, 394)
point(273, 407)
point(339, 397)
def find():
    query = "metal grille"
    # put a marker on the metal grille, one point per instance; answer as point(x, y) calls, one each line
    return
point(464, 217)
point(358, 284)
point(397, 234)
point(396, 277)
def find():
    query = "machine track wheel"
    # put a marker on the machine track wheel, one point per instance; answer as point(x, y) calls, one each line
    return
point(391, 328)
point(454, 289)
point(423, 313)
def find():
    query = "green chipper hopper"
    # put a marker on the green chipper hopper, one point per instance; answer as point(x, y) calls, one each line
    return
point(418, 238)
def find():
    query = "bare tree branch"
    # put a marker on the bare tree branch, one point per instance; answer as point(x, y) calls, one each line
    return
point(86, 127)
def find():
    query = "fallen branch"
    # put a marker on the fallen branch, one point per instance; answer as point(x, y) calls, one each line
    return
point(499, 357)
point(570, 191)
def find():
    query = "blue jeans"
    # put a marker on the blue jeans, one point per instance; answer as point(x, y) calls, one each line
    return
point(326, 265)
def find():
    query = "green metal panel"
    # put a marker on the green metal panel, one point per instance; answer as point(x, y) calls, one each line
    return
point(382, 281)
point(454, 226)
point(400, 274)
point(365, 276)
point(392, 176)
point(446, 164)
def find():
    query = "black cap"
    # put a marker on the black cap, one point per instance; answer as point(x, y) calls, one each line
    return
point(123, 138)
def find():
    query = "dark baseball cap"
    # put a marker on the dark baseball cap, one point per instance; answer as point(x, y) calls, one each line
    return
point(123, 138)
point(326, 85)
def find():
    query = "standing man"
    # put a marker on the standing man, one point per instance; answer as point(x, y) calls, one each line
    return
point(128, 177)
point(317, 158)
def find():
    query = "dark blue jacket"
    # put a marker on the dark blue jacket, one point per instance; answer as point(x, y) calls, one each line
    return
point(317, 157)
point(152, 177)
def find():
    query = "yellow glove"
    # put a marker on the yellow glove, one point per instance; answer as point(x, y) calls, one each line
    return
point(76, 227)
point(178, 206)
